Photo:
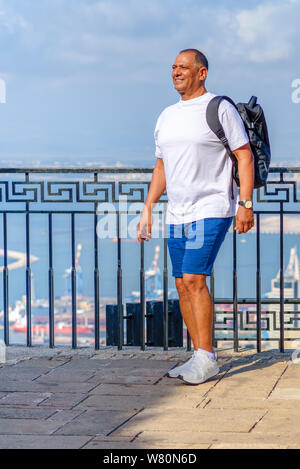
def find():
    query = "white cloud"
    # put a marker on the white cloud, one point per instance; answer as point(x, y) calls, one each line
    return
point(118, 15)
point(138, 39)
point(10, 20)
point(270, 31)
point(143, 33)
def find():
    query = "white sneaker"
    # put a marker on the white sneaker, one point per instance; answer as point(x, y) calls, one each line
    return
point(177, 371)
point(201, 369)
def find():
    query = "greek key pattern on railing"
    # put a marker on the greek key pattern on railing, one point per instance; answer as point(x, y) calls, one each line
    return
point(278, 191)
point(283, 189)
point(72, 192)
point(270, 322)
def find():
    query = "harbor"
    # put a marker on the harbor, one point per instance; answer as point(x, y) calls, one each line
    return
point(85, 311)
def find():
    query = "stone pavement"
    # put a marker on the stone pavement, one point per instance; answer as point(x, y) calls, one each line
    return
point(121, 399)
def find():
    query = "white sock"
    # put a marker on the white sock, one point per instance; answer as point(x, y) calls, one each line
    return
point(209, 354)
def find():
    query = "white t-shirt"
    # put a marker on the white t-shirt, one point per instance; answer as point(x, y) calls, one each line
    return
point(197, 166)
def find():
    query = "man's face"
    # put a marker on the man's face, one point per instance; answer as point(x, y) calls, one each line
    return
point(186, 77)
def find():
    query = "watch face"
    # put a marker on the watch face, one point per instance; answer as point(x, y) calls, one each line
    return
point(248, 204)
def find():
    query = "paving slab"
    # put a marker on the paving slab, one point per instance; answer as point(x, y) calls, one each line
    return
point(285, 393)
point(10, 374)
point(63, 416)
point(40, 363)
point(95, 422)
point(116, 378)
point(121, 374)
point(94, 444)
point(64, 400)
point(254, 445)
point(139, 402)
point(25, 413)
point(246, 379)
point(278, 419)
point(86, 364)
point(230, 390)
point(24, 398)
point(27, 427)
point(150, 392)
point(60, 375)
point(249, 403)
point(162, 365)
point(197, 420)
point(293, 371)
point(231, 438)
point(42, 442)
point(257, 372)
point(125, 389)
point(287, 381)
point(66, 387)
point(41, 386)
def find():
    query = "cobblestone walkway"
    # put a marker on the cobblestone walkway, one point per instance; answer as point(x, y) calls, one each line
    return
point(121, 399)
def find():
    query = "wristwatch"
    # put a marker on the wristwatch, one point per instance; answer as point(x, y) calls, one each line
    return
point(246, 203)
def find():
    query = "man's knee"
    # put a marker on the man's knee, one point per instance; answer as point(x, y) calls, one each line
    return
point(181, 288)
point(194, 282)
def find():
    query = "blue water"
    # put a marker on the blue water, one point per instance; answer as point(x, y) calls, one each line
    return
point(246, 251)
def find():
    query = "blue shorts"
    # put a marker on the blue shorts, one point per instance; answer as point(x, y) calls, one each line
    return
point(193, 247)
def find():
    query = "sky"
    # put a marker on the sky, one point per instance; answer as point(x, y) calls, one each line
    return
point(87, 79)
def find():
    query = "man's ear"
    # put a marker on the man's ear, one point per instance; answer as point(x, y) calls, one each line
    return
point(202, 73)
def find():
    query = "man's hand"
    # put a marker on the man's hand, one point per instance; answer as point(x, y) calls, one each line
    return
point(244, 220)
point(144, 227)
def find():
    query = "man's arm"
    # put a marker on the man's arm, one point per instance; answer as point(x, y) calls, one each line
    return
point(156, 189)
point(244, 220)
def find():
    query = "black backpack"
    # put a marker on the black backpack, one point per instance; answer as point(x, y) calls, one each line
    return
point(256, 127)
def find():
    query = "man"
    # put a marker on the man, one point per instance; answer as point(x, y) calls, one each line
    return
point(195, 169)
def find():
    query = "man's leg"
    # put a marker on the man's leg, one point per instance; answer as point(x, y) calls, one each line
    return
point(197, 311)
point(187, 311)
point(199, 315)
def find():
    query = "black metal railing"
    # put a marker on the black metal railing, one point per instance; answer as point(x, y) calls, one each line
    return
point(27, 192)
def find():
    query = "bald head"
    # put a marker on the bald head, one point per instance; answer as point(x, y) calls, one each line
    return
point(199, 57)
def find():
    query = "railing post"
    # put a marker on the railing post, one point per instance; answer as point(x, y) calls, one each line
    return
point(281, 340)
point(50, 283)
point(142, 297)
point(235, 299)
point(5, 283)
point(73, 284)
point(165, 294)
point(258, 286)
point(96, 280)
point(212, 296)
point(28, 275)
point(119, 286)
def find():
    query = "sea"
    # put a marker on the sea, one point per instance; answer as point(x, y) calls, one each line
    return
point(130, 258)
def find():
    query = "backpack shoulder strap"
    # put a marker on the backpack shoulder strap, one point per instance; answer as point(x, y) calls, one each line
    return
point(213, 121)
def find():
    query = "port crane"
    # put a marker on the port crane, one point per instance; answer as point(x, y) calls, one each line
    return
point(68, 274)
